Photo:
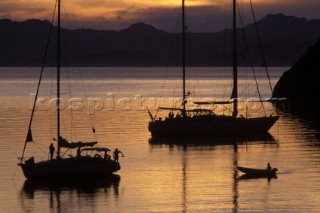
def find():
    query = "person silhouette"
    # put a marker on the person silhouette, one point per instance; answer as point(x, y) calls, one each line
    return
point(78, 152)
point(269, 167)
point(51, 150)
point(116, 153)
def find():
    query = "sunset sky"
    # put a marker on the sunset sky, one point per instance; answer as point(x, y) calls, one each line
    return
point(163, 14)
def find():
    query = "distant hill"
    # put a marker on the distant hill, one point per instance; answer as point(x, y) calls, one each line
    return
point(285, 39)
point(301, 85)
point(286, 27)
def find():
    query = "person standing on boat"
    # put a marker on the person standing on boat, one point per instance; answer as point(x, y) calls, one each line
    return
point(51, 150)
point(78, 152)
point(116, 153)
point(170, 115)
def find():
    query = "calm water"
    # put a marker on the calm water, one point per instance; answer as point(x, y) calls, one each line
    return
point(156, 176)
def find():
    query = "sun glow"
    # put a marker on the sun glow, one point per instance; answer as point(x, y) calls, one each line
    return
point(177, 3)
point(86, 9)
point(102, 14)
point(127, 8)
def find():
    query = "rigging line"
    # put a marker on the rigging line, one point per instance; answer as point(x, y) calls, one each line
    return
point(202, 39)
point(73, 44)
point(50, 110)
point(84, 90)
point(72, 123)
point(14, 174)
point(246, 87)
point(67, 74)
point(86, 96)
point(191, 74)
point(250, 59)
point(39, 82)
point(194, 85)
point(177, 84)
point(225, 31)
point(65, 152)
point(261, 46)
point(226, 34)
point(187, 59)
point(169, 58)
point(38, 146)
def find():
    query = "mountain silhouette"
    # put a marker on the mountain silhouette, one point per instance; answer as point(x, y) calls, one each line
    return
point(141, 28)
point(289, 27)
point(285, 39)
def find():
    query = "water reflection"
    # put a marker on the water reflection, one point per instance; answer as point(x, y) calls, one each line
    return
point(209, 143)
point(215, 140)
point(63, 194)
point(249, 177)
point(235, 179)
point(184, 179)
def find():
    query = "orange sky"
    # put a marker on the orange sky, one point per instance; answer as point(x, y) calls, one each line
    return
point(107, 14)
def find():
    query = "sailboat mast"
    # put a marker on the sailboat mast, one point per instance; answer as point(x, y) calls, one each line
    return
point(58, 80)
point(183, 57)
point(235, 62)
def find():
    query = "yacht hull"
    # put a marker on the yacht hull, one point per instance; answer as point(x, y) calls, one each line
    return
point(211, 125)
point(70, 167)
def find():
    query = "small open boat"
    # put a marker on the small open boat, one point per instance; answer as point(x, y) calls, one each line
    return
point(258, 172)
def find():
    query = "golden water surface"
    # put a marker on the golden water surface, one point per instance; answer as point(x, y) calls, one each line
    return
point(167, 175)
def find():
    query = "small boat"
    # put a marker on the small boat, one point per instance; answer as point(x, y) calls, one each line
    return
point(258, 172)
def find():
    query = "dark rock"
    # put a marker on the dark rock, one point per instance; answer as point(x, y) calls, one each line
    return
point(301, 85)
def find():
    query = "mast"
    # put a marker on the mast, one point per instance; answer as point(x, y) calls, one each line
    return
point(183, 58)
point(235, 62)
point(58, 80)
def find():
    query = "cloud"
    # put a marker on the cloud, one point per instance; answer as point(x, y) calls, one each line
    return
point(202, 15)
point(19, 9)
